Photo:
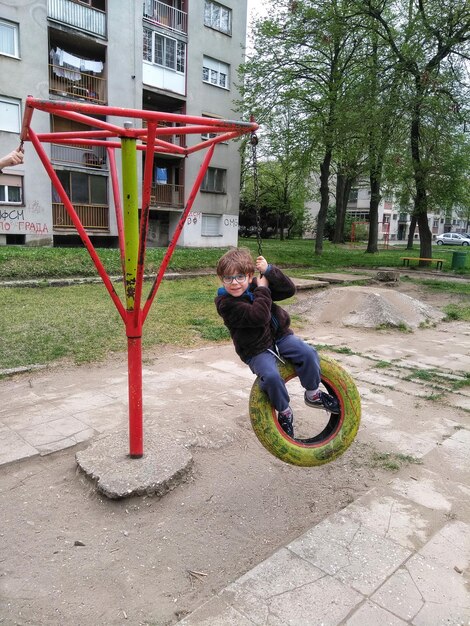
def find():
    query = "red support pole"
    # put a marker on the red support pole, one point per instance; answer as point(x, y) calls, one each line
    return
point(178, 229)
point(76, 221)
point(136, 429)
point(144, 218)
point(117, 204)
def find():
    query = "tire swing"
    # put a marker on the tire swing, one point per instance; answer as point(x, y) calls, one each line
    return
point(334, 438)
point(338, 434)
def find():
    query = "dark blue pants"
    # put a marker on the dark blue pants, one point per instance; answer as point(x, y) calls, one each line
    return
point(304, 359)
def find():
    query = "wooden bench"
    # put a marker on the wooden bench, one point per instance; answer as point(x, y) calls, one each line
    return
point(406, 261)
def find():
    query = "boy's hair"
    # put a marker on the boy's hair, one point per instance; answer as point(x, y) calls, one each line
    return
point(236, 261)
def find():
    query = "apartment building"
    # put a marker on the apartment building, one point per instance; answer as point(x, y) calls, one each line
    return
point(177, 56)
point(394, 224)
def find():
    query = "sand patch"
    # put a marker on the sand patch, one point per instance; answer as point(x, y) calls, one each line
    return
point(365, 307)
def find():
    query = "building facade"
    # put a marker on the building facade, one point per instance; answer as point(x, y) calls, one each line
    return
point(394, 224)
point(176, 56)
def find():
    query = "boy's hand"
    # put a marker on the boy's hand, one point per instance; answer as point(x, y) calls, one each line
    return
point(261, 264)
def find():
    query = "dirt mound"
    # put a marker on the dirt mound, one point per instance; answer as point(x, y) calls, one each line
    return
point(365, 307)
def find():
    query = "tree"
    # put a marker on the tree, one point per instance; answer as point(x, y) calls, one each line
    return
point(282, 177)
point(426, 40)
point(302, 53)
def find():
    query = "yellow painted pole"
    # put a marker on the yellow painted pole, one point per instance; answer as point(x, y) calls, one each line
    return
point(130, 205)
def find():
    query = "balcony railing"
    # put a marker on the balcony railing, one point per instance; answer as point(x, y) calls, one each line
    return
point(92, 216)
point(78, 15)
point(167, 195)
point(166, 15)
point(76, 84)
point(92, 157)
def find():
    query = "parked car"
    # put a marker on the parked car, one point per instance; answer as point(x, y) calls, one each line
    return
point(453, 239)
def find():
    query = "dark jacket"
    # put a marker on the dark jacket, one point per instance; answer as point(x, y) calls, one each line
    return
point(253, 319)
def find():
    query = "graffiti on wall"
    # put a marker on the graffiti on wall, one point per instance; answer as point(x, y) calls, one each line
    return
point(13, 221)
point(231, 221)
point(193, 218)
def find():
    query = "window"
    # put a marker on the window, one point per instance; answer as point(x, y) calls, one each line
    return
point(209, 135)
point(215, 72)
point(83, 188)
point(210, 225)
point(10, 115)
point(164, 51)
point(9, 39)
point(353, 195)
point(218, 17)
point(11, 189)
point(214, 180)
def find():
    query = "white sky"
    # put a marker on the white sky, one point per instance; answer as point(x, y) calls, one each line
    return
point(256, 6)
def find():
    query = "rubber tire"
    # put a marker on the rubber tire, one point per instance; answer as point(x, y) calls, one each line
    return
point(334, 439)
point(439, 243)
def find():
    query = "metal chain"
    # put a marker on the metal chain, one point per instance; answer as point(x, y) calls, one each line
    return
point(254, 143)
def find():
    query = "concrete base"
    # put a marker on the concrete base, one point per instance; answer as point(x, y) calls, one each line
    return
point(388, 276)
point(165, 465)
point(305, 283)
point(342, 278)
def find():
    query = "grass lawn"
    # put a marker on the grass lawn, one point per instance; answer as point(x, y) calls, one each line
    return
point(80, 322)
point(19, 262)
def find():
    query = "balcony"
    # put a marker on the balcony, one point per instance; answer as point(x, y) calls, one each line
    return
point(75, 84)
point(167, 196)
point(90, 157)
point(165, 15)
point(92, 216)
point(81, 16)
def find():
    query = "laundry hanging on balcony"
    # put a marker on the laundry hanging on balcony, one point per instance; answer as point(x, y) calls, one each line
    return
point(69, 66)
point(161, 175)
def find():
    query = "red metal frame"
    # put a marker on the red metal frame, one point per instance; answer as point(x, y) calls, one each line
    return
point(111, 136)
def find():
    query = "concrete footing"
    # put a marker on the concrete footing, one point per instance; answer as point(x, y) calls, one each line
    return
point(165, 465)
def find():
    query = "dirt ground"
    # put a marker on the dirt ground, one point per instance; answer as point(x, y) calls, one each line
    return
point(70, 556)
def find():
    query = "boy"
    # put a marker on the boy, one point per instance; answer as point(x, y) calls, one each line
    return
point(261, 333)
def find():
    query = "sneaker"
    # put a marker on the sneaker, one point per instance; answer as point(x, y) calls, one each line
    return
point(323, 401)
point(286, 422)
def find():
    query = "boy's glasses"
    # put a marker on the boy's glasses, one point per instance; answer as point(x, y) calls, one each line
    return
point(238, 278)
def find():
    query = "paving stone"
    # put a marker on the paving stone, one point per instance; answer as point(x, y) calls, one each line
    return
point(325, 601)
point(355, 555)
point(283, 571)
point(400, 595)
point(378, 379)
point(450, 547)
point(371, 560)
point(369, 614)
point(13, 447)
point(438, 584)
point(216, 612)
point(442, 615)
point(424, 491)
point(400, 520)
